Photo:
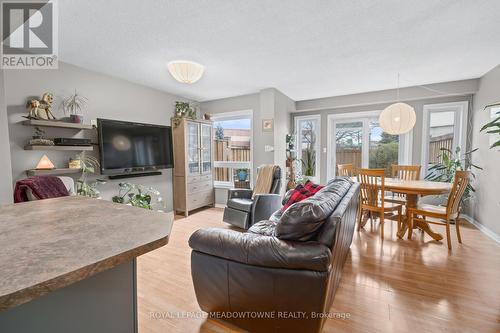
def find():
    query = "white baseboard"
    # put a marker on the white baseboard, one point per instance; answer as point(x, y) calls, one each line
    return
point(485, 230)
point(220, 205)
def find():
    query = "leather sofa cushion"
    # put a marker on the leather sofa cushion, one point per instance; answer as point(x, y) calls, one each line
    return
point(240, 204)
point(253, 249)
point(265, 227)
point(302, 220)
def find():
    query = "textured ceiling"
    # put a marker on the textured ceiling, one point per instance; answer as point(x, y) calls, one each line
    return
point(307, 49)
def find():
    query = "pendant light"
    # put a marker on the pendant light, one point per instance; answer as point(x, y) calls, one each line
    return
point(185, 71)
point(397, 118)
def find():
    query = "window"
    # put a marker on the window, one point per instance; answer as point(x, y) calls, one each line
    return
point(358, 139)
point(444, 127)
point(308, 131)
point(233, 149)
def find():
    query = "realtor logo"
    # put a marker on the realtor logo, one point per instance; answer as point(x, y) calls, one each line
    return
point(29, 35)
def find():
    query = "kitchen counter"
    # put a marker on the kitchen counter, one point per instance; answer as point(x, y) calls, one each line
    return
point(51, 244)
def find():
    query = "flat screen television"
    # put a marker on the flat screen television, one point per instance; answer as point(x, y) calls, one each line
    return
point(127, 147)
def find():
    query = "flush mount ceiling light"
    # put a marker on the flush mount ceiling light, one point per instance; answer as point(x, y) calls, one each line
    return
point(397, 118)
point(185, 71)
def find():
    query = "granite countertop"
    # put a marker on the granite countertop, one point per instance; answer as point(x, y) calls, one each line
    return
point(49, 244)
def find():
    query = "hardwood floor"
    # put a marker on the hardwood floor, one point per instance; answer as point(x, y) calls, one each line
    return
point(387, 286)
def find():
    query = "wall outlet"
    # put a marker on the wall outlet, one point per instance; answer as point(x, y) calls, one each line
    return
point(93, 122)
point(268, 148)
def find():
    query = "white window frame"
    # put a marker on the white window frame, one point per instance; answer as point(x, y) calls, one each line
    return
point(317, 146)
point(459, 131)
point(404, 148)
point(248, 114)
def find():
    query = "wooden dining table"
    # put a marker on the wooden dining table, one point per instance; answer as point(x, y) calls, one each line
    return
point(413, 189)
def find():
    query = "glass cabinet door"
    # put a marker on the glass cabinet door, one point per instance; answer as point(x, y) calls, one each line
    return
point(206, 148)
point(193, 148)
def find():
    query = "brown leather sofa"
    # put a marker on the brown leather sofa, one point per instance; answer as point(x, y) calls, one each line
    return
point(281, 275)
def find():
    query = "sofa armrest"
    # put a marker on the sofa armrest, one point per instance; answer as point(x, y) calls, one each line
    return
point(258, 250)
point(243, 193)
point(264, 205)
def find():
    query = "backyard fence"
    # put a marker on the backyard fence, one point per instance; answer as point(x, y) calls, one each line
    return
point(352, 155)
point(435, 146)
point(348, 156)
point(224, 151)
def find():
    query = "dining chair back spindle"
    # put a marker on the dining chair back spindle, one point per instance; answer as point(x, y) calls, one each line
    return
point(460, 184)
point(372, 187)
point(443, 215)
point(346, 170)
point(406, 172)
point(403, 172)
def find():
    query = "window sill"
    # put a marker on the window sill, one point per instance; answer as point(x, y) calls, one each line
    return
point(223, 186)
point(228, 187)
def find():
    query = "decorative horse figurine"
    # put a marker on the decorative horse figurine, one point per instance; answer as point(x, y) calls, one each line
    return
point(41, 109)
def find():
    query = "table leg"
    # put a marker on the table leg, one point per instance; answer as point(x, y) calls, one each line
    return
point(411, 202)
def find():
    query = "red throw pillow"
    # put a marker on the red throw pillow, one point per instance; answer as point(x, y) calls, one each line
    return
point(298, 194)
point(311, 187)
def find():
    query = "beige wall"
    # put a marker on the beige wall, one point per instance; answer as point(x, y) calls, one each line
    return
point(415, 96)
point(486, 206)
point(267, 104)
point(108, 97)
point(5, 164)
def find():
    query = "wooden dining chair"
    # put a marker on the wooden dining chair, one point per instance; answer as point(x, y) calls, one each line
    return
point(372, 187)
point(441, 215)
point(346, 170)
point(403, 172)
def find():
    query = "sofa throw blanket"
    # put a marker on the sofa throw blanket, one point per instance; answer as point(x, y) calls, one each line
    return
point(40, 187)
point(264, 180)
point(302, 220)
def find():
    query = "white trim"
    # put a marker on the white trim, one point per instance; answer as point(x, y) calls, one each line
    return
point(405, 152)
point(317, 145)
point(485, 230)
point(233, 164)
point(220, 205)
point(236, 114)
point(231, 115)
point(223, 185)
point(459, 131)
point(405, 140)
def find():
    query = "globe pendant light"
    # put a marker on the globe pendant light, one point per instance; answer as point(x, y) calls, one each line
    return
point(185, 71)
point(397, 118)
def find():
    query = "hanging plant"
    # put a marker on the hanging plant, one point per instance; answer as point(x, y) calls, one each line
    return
point(493, 127)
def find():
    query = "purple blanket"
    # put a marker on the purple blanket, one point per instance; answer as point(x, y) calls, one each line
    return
point(42, 187)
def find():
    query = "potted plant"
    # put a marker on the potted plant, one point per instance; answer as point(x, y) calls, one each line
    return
point(88, 165)
point(450, 162)
point(73, 105)
point(493, 127)
point(242, 174)
point(138, 196)
point(183, 110)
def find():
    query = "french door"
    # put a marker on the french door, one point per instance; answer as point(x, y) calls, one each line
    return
point(358, 139)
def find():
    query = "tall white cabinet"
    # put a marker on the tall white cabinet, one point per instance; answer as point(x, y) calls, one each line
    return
point(193, 163)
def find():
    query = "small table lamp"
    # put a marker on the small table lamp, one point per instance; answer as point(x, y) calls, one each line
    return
point(45, 164)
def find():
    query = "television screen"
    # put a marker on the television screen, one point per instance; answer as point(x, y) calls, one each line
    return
point(127, 147)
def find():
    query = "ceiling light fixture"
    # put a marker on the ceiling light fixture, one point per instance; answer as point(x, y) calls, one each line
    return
point(185, 71)
point(397, 118)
